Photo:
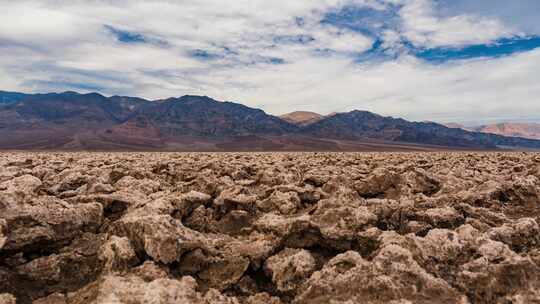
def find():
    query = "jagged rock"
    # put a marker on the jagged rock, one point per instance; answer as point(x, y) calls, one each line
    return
point(22, 185)
point(133, 289)
point(117, 254)
point(236, 198)
point(55, 298)
point(392, 275)
point(145, 186)
point(235, 222)
point(99, 187)
point(196, 197)
point(3, 233)
point(394, 215)
point(6, 298)
point(269, 228)
point(150, 271)
point(284, 202)
point(342, 218)
point(482, 216)
point(317, 179)
point(442, 244)
point(70, 269)
point(160, 236)
point(519, 235)
point(446, 217)
point(486, 281)
point(290, 268)
point(423, 182)
point(221, 273)
point(202, 219)
point(69, 181)
point(380, 183)
point(190, 201)
point(263, 298)
point(298, 231)
point(47, 223)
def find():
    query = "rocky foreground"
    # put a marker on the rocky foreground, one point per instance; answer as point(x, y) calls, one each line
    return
point(269, 228)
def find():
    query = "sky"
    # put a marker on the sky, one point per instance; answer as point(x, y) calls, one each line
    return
point(466, 61)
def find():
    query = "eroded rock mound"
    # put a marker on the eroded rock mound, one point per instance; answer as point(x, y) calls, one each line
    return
point(269, 228)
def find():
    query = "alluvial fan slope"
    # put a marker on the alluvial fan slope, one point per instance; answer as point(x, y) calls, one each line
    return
point(269, 228)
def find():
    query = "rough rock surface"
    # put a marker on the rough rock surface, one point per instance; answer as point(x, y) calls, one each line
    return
point(269, 228)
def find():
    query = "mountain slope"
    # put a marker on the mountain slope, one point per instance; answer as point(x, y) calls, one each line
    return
point(10, 97)
point(69, 109)
point(525, 130)
point(205, 117)
point(358, 125)
point(454, 125)
point(509, 129)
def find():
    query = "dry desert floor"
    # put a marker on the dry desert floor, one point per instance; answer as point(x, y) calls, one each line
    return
point(260, 228)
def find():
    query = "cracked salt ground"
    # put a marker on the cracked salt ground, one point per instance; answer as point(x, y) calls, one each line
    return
point(269, 228)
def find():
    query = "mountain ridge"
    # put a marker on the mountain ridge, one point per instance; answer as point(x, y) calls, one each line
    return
point(510, 129)
point(514, 129)
point(92, 121)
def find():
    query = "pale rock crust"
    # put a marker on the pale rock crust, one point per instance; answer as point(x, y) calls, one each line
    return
point(3, 233)
point(6, 298)
point(290, 268)
point(273, 228)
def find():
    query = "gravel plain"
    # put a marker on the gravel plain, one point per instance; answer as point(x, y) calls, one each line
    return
point(261, 228)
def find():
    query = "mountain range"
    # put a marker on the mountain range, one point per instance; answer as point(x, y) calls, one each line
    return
point(514, 129)
point(73, 121)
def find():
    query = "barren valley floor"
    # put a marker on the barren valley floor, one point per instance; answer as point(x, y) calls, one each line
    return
point(257, 228)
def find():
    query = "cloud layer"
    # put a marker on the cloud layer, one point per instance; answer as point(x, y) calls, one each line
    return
point(419, 59)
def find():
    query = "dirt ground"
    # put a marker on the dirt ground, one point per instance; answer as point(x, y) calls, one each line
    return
point(260, 228)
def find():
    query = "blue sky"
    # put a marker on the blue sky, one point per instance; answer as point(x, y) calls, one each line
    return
point(443, 60)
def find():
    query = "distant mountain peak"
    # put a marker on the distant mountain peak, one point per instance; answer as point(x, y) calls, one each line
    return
point(526, 130)
point(301, 117)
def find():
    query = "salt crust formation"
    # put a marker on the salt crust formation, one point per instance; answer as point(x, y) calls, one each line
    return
point(260, 228)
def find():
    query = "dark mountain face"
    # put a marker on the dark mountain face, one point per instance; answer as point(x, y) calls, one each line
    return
point(10, 97)
point(203, 116)
point(70, 109)
point(357, 125)
point(65, 107)
point(123, 107)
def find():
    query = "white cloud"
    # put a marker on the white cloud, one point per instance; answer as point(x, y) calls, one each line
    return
point(423, 27)
point(48, 45)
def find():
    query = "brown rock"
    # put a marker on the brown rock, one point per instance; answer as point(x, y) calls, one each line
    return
point(236, 198)
point(6, 298)
point(117, 254)
point(393, 275)
point(381, 183)
point(520, 235)
point(132, 289)
point(24, 185)
point(160, 236)
point(3, 233)
point(270, 227)
point(73, 267)
point(55, 298)
point(342, 218)
point(290, 268)
point(284, 202)
point(263, 298)
point(47, 222)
